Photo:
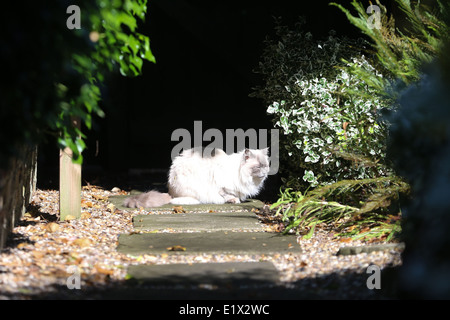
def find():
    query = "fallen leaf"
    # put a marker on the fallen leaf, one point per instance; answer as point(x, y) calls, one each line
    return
point(176, 248)
point(291, 258)
point(52, 227)
point(99, 197)
point(86, 204)
point(85, 215)
point(38, 254)
point(394, 218)
point(364, 230)
point(92, 188)
point(22, 245)
point(74, 258)
point(101, 269)
point(272, 227)
point(178, 209)
point(82, 242)
point(64, 240)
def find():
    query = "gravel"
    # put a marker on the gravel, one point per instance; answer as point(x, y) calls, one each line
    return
point(43, 253)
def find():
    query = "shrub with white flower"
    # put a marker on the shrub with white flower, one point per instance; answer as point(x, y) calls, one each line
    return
point(327, 114)
point(325, 127)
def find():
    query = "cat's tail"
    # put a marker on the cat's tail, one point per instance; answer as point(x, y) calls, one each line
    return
point(148, 200)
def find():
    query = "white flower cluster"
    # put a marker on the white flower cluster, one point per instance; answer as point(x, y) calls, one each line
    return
point(323, 118)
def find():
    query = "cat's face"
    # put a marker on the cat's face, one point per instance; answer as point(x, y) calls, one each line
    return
point(256, 163)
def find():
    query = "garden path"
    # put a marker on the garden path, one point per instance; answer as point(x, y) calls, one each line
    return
point(206, 230)
point(192, 232)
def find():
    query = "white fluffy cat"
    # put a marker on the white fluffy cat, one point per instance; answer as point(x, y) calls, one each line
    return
point(217, 179)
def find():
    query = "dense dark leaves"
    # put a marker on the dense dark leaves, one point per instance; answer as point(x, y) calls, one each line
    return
point(51, 74)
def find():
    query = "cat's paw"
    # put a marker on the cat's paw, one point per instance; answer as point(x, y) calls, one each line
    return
point(234, 200)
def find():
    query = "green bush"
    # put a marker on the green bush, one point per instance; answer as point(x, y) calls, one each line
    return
point(401, 53)
point(327, 128)
point(347, 206)
point(54, 74)
point(369, 207)
point(328, 133)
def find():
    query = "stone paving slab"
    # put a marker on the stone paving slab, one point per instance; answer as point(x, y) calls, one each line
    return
point(207, 275)
point(219, 242)
point(231, 229)
point(248, 205)
point(346, 251)
point(215, 221)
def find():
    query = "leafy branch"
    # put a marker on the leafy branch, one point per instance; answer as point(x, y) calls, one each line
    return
point(55, 75)
point(348, 203)
point(112, 46)
point(401, 53)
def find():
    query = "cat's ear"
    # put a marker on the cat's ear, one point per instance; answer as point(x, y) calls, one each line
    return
point(247, 154)
point(265, 151)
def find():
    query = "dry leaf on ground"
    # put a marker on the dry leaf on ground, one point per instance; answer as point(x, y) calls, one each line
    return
point(52, 227)
point(178, 209)
point(82, 242)
point(176, 248)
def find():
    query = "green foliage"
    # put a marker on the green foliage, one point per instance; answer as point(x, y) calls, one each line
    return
point(116, 42)
point(329, 134)
point(53, 75)
point(352, 208)
point(362, 200)
point(336, 136)
point(401, 53)
point(128, 49)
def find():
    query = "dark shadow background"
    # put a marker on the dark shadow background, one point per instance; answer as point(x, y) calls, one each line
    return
point(206, 54)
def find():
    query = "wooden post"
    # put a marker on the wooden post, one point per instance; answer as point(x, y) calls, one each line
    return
point(69, 184)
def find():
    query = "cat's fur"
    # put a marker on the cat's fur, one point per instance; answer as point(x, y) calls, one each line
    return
point(219, 178)
point(148, 199)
